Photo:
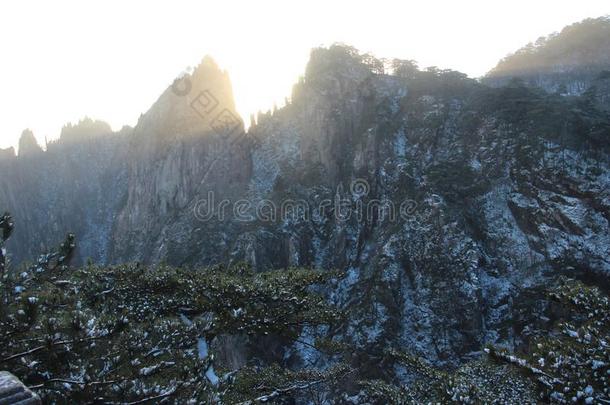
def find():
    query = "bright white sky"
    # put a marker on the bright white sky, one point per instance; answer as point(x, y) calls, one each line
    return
point(62, 60)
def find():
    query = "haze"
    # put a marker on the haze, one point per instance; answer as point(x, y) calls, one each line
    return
point(110, 60)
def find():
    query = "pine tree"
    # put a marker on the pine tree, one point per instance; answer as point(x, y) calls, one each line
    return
point(129, 333)
point(6, 228)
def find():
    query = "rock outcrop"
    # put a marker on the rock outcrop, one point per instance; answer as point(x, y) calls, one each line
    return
point(7, 153)
point(189, 143)
point(13, 392)
point(76, 185)
point(28, 145)
point(488, 196)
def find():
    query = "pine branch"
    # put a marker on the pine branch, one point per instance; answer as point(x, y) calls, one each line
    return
point(53, 344)
point(63, 380)
point(281, 391)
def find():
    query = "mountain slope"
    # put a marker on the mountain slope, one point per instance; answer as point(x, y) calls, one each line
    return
point(568, 62)
point(76, 185)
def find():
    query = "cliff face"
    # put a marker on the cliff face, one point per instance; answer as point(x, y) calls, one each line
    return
point(129, 196)
point(445, 200)
point(180, 149)
point(489, 197)
point(74, 186)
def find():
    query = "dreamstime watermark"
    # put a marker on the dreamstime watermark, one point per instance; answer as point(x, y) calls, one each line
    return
point(343, 208)
point(222, 121)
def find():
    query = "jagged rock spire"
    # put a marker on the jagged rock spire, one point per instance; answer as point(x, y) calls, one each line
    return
point(28, 145)
point(85, 128)
point(7, 153)
point(191, 104)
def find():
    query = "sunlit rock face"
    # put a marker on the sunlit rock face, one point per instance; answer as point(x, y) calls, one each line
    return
point(446, 201)
point(180, 149)
point(84, 130)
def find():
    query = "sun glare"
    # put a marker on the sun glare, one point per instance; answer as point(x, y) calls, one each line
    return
point(94, 60)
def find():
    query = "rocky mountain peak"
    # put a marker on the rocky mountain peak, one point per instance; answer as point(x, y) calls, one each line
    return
point(28, 145)
point(85, 128)
point(180, 147)
point(207, 71)
point(7, 153)
point(338, 59)
point(191, 105)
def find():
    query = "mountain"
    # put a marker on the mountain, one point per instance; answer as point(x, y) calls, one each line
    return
point(568, 62)
point(449, 202)
point(28, 146)
point(173, 159)
point(76, 184)
point(502, 188)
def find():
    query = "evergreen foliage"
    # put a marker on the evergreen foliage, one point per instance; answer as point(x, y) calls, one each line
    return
point(581, 45)
point(134, 334)
point(6, 228)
